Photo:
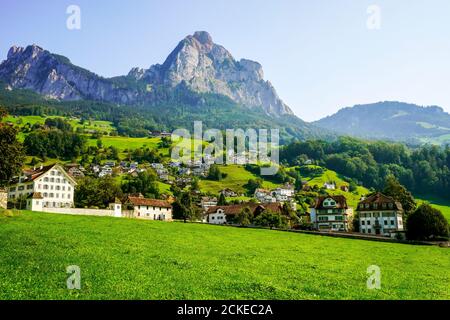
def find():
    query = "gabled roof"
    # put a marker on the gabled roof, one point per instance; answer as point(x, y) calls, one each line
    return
point(138, 201)
point(254, 207)
point(33, 174)
point(376, 202)
point(341, 202)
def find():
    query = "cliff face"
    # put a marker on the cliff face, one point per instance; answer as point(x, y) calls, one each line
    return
point(196, 62)
point(207, 67)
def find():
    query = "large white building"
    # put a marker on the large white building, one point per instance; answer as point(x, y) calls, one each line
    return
point(50, 187)
point(331, 213)
point(380, 215)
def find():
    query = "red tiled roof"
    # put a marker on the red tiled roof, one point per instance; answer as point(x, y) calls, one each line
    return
point(149, 202)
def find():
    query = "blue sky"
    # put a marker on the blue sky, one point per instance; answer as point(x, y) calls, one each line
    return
point(319, 55)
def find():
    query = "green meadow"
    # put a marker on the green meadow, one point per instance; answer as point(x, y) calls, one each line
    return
point(133, 259)
point(236, 179)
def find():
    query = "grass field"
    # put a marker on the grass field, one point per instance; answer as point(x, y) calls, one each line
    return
point(132, 259)
point(237, 177)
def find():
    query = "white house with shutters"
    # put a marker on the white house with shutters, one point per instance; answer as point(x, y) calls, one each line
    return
point(45, 187)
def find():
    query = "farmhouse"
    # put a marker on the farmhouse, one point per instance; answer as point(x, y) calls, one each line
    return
point(331, 213)
point(51, 184)
point(218, 214)
point(152, 209)
point(381, 215)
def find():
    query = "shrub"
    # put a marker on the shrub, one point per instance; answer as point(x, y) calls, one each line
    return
point(427, 223)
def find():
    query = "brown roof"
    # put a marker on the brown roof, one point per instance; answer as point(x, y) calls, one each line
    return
point(341, 202)
point(376, 202)
point(149, 202)
point(254, 207)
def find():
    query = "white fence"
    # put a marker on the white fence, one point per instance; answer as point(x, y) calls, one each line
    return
point(83, 212)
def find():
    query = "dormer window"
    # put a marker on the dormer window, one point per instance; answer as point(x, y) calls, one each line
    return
point(391, 205)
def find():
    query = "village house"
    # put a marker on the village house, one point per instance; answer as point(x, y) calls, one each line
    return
point(152, 209)
point(207, 202)
point(264, 196)
point(331, 213)
point(219, 214)
point(75, 172)
point(344, 188)
point(284, 193)
point(228, 193)
point(3, 198)
point(380, 215)
point(51, 186)
point(106, 171)
point(329, 185)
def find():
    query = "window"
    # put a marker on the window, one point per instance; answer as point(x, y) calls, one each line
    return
point(339, 218)
point(58, 180)
point(57, 188)
point(45, 194)
point(392, 222)
point(323, 218)
point(46, 179)
point(21, 188)
point(368, 222)
point(29, 187)
point(385, 222)
point(391, 205)
point(369, 230)
point(52, 179)
point(363, 223)
point(12, 189)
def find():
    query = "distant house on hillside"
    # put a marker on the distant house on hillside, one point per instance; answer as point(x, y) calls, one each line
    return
point(227, 192)
point(381, 215)
point(75, 172)
point(152, 209)
point(51, 184)
point(329, 185)
point(219, 214)
point(344, 188)
point(331, 213)
point(264, 196)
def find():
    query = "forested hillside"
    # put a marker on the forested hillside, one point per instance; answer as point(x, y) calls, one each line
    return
point(423, 170)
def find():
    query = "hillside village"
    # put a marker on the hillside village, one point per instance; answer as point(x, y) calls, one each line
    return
point(51, 189)
point(143, 182)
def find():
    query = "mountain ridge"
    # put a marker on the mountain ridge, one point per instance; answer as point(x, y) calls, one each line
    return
point(196, 62)
point(392, 120)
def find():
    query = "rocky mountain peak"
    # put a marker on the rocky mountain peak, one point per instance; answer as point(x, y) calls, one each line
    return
point(203, 37)
point(197, 63)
